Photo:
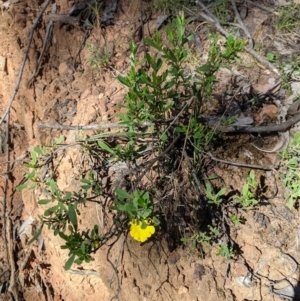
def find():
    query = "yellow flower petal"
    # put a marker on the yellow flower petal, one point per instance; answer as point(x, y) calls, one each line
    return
point(140, 234)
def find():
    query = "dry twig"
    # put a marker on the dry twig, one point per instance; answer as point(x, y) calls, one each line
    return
point(259, 6)
point(282, 127)
point(45, 43)
point(240, 21)
point(265, 167)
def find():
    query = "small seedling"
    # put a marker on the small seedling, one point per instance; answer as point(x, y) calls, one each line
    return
point(214, 198)
point(288, 18)
point(291, 175)
point(225, 251)
point(235, 219)
point(247, 199)
point(198, 239)
point(99, 57)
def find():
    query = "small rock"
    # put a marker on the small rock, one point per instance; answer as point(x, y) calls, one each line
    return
point(173, 257)
point(69, 79)
point(269, 111)
point(240, 269)
point(57, 298)
point(251, 253)
point(64, 69)
point(199, 270)
point(182, 290)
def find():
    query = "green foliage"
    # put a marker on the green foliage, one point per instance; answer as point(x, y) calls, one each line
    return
point(235, 219)
point(291, 174)
point(288, 66)
point(33, 177)
point(200, 238)
point(163, 102)
point(130, 152)
point(62, 211)
point(214, 198)
point(247, 199)
point(225, 251)
point(80, 244)
point(91, 183)
point(99, 57)
point(170, 6)
point(158, 86)
point(288, 18)
point(221, 10)
point(137, 206)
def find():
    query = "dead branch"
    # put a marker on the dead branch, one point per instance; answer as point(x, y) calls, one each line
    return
point(241, 23)
point(12, 283)
point(259, 6)
point(265, 167)
point(94, 127)
point(45, 43)
point(186, 157)
point(282, 127)
point(65, 19)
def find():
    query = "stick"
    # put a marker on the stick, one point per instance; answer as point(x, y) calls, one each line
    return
point(193, 172)
point(12, 283)
point(266, 167)
point(259, 6)
point(104, 126)
point(282, 127)
point(45, 43)
point(35, 24)
point(66, 19)
point(238, 17)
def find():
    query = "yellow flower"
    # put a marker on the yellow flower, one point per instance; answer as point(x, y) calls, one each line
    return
point(140, 234)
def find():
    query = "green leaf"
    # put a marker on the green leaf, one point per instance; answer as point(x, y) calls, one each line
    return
point(123, 194)
point(163, 137)
point(29, 165)
point(72, 215)
point(36, 235)
point(78, 261)
point(82, 247)
point(67, 196)
point(69, 262)
point(156, 221)
point(96, 229)
point(22, 186)
point(63, 236)
point(44, 202)
point(60, 139)
point(85, 181)
point(38, 150)
point(50, 210)
point(153, 44)
point(221, 192)
point(33, 158)
point(128, 207)
point(124, 81)
point(53, 186)
point(105, 147)
point(146, 213)
point(204, 68)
